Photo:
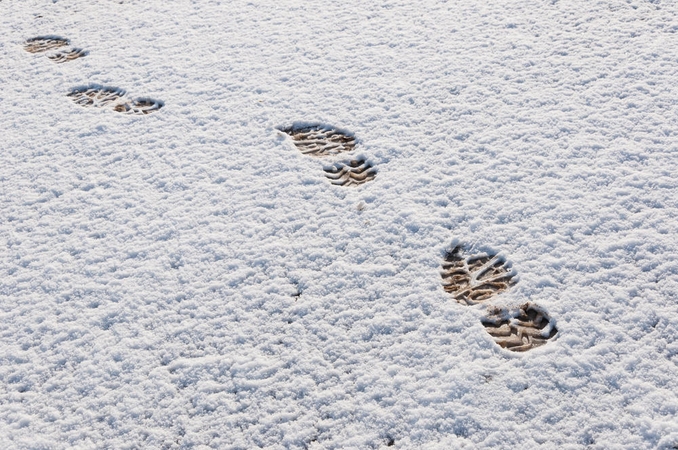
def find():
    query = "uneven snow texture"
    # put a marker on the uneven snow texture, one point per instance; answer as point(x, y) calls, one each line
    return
point(189, 280)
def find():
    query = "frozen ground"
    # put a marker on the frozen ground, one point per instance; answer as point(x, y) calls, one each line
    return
point(189, 280)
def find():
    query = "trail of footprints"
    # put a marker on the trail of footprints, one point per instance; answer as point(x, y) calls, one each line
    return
point(471, 279)
point(325, 142)
point(59, 50)
point(477, 278)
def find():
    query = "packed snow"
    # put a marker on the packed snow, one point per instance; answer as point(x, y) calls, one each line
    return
point(189, 279)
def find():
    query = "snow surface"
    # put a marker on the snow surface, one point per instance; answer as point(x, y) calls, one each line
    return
point(190, 280)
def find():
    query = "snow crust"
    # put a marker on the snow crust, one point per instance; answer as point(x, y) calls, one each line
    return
point(189, 280)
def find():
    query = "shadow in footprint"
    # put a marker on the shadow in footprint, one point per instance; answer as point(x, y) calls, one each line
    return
point(474, 279)
point(520, 329)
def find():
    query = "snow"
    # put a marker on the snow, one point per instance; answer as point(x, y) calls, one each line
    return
point(188, 279)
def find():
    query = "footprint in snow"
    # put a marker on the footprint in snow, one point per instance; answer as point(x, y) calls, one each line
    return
point(53, 47)
point(478, 278)
point(102, 96)
point(324, 141)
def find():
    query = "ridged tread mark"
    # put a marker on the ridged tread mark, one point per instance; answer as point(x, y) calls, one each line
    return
point(353, 173)
point(96, 97)
point(100, 96)
point(139, 107)
point(476, 278)
point(318, 140)
point(520, 329)
point(42, 44)
point(67, 55)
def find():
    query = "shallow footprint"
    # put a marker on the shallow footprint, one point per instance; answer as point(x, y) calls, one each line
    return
point(319, 140)
point(67, 55)
point(95, 96)
point(353, 173)
point(520, 329)
point(139, 107)
point(42, 44)
point(475, 279)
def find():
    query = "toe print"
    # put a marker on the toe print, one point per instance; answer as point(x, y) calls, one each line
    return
point(475, 279)
point(521, 329)
point(44, 44)
point(317, 140)
point(354, 173)
point(96, 97)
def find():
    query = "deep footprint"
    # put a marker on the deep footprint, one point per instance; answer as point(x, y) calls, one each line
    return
point(475, 279)
point(320, 140)
point(521, 329)
point(43, 44)
point(355, 173)
point(96, 96)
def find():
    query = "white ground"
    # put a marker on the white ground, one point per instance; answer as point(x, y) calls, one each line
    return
point(149, 265)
